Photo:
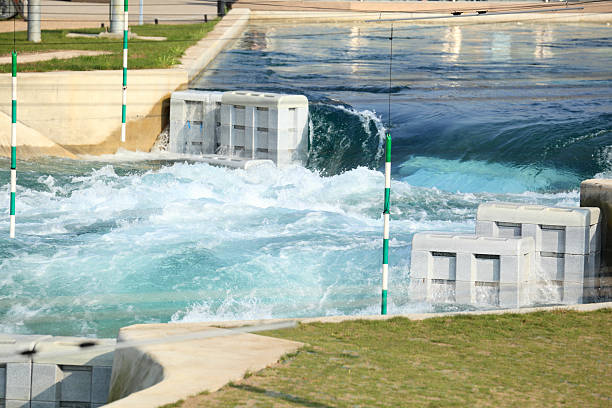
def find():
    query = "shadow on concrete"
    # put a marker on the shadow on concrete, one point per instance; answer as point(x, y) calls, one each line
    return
point(281, 395)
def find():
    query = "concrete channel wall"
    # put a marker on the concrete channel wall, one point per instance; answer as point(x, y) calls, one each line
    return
point(70, 113)
point(59, 374)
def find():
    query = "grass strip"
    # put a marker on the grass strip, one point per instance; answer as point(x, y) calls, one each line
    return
point(142, 53)
point(560, 358)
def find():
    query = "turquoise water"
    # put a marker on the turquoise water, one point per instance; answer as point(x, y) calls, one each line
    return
point(506, 112)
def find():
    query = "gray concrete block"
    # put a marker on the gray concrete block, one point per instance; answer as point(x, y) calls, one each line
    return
point(11, 403)
point(464, 292)
point(76, 385)
point(100, 382)
point(2, 382)
point(420, 264)
point(443, 266)
point(466, 267)
point(45, 379)
point(572, 293)
point(18, 380)
point(508, 296)
point(552, 238)
point(44, 404)
point(488, 268)
point(551, 266)
point(418, 290)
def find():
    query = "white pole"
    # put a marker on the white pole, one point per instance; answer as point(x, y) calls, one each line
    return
point(125, 64)
point(141, 18)
point(34, 21)
point(13, 146)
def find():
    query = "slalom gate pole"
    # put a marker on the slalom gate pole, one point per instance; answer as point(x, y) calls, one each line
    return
point(385, 266)
point(125, 63)
point(13, 145)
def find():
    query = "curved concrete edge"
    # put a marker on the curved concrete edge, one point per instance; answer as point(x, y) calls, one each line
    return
point(352, 16)
point(154, 375)
point(413, 316)
point(197, 57)
point(30, 142)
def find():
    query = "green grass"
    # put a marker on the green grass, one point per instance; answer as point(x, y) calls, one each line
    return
point(142, 54)
point(535, 360)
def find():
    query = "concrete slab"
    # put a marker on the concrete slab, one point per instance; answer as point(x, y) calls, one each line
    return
point(178, 370)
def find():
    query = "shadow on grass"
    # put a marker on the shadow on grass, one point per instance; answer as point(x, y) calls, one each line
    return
point(280, 395)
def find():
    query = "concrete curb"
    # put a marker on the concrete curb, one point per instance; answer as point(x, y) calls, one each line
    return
point(589, 307)
point(421, 18)
point(197, 57)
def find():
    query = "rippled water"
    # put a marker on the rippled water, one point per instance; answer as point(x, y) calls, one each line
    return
point(479, 112)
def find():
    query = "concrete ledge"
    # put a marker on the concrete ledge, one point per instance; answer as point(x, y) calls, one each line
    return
point(174, 371)
point(589, 307)
point(428, 18)
point(197, 57)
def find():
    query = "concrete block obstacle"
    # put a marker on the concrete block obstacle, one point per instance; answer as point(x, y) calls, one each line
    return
point(264, 125)
point(567, 244)
point(240, 125)
point(194, 116)
point(598, 193)
point(467, 265)
point(59, 374)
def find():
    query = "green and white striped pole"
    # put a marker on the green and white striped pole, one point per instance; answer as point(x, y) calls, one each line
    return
point(385, 266)
point(13, 147)
point(125, 64)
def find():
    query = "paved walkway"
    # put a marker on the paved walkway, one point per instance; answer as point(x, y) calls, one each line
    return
point(58, 14)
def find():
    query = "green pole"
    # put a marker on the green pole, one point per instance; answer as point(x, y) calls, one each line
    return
point(125, 64)
point(13, 145)
point(385, 266)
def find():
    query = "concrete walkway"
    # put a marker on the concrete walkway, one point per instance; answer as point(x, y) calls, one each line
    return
point(58, 14)
point(174, 371)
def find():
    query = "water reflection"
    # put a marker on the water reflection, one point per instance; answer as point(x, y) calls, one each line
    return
point(544, 37)
point(452, 44)
point(501, 46)
point(355, 43)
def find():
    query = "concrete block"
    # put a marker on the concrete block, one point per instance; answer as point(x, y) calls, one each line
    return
point(418, 289)
point(11, 403)
point(444, 266)
point(466, 270)
point(76, 385)
point(465, 292)
point(45, 379)
point(513, 295)
point(44, 404)
point(572, 293)
point(442, 242)
point(598, 193)
point(420, 264)
point(476, 266)
point(100, 381)
point(18, 381)
point(551, 266)
point(486, 294)
point(538, 214)
point(441, 291)
point(558, 230)
point(2, 382)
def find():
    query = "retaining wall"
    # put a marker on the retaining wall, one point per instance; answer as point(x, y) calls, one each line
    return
point(70, 113)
